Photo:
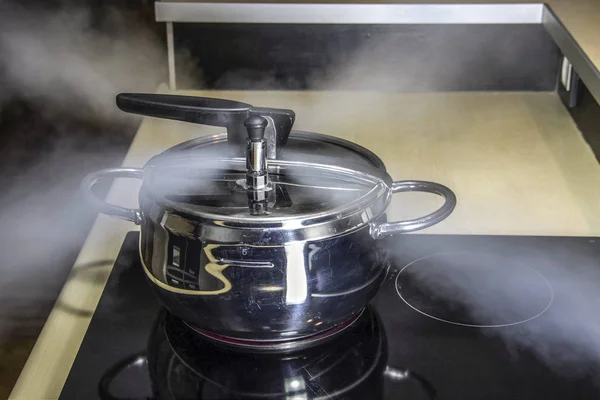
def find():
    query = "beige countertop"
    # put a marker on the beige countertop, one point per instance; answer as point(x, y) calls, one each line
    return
point(516, 161)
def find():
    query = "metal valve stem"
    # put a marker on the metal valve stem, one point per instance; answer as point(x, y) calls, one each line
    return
point(257, 176)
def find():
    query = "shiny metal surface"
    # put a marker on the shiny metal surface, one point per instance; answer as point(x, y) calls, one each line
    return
point(282, 345)
point(349, 13)
point(301, 260)
point(286, 292)
point(257, 174)
point(90, 180)
point(391, 228)
point(365, 197)
point(256, 161)
point(301, 146)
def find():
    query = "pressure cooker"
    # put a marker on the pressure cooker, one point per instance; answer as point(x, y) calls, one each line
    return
point(261, 234)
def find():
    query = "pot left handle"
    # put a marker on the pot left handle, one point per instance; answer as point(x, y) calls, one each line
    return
point(129, 214)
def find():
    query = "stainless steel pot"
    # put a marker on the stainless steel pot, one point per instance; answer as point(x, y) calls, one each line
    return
point(277, 241)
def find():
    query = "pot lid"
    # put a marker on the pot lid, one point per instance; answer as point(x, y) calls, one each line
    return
point(258, 175)
point(307, 147)
point(299, 193)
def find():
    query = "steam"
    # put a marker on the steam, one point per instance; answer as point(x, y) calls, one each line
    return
point(70, 60)
point(563, 329)
point(65, 67)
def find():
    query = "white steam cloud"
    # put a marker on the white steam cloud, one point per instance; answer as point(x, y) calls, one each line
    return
point(68, 60)
point(562, 323)
point(67, 65)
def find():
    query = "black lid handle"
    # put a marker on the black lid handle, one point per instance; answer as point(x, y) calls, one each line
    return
point(215, 112)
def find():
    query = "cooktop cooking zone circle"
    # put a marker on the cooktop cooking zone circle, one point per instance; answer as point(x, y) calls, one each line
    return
point(474, 289)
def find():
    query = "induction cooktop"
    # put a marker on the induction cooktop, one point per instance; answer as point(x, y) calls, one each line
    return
point(458, 317)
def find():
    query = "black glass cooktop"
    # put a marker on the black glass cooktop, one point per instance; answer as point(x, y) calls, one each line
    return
point(458, 317)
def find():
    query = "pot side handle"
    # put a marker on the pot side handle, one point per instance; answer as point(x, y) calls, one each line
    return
point(381, 230)
point(129, 214)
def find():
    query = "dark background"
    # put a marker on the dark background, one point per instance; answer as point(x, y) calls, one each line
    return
point(32, 137)
point(382, 57)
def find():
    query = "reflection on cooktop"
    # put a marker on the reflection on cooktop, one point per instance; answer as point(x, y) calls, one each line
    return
point(134, 349)
point(474, 289)
point(182, 364)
